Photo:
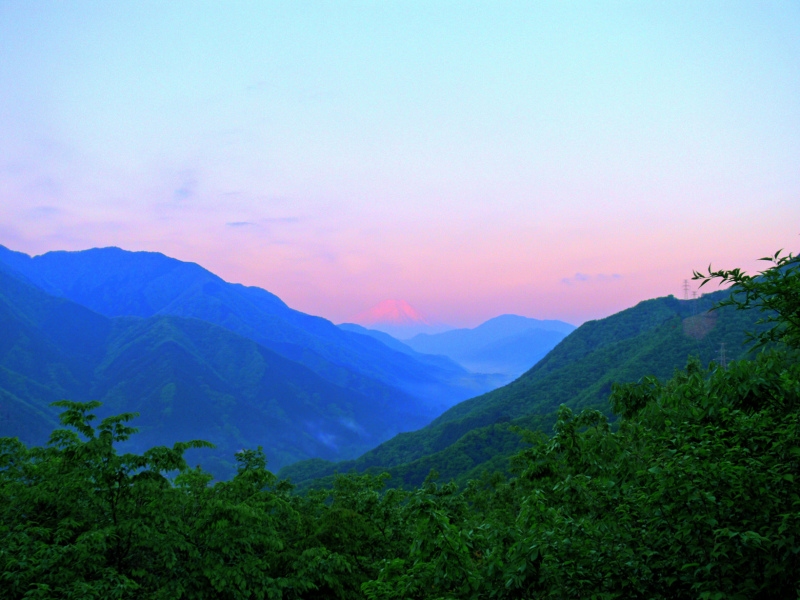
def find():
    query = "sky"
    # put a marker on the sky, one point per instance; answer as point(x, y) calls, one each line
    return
point(558, 160)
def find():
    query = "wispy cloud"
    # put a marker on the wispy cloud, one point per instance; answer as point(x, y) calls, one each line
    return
point(188, 186)
point(272, 220)
point(259, 86)
point(324, 437)
point(45, 211)
point(328, 439)
point(584, 278)
point(264, 223)
point(48, 186)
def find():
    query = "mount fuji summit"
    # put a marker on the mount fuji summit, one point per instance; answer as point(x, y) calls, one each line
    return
point(397, 318)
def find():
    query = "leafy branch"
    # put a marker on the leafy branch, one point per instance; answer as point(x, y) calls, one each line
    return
point(774, 291)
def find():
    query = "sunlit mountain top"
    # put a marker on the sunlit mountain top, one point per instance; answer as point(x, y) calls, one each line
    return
point(397, 318)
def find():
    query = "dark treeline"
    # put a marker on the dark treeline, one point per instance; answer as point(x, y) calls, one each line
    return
point(692, 494)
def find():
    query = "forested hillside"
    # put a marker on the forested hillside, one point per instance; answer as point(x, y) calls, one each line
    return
point(692, 494)
point(187, 377)
point(653, 338)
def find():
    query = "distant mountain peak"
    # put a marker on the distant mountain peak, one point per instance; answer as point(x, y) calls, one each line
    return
point(397, 318)
point(396, 312)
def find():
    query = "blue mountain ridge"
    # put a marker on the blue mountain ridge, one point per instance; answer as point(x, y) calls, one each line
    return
point(115, 282)
point(188, 378)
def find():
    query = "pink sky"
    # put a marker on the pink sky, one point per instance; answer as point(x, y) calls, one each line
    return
point(550, 160)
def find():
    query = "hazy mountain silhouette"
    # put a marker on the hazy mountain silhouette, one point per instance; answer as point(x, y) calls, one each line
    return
point(490, 380)
point(508, 344)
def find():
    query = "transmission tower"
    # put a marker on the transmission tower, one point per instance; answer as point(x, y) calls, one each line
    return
point(685, 289)
point(723, 359)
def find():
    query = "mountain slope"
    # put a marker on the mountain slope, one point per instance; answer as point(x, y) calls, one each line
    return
point(115, 282)
point(653, 338)
point(189, 379)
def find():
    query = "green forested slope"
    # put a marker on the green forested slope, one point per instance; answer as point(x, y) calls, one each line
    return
point(654, 337)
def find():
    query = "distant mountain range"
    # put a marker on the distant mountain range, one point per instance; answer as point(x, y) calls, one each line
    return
point(115, 282)
point(397, 318)
point(189, 379)
point(202, 358)
point(505, 346)
point(508, 344)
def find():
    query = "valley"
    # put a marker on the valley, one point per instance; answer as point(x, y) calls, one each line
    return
point(604, 460)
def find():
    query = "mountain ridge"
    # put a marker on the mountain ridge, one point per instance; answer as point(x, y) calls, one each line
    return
point(189, 379)
point(646, 339)
point(118, 282)
point(507, 344)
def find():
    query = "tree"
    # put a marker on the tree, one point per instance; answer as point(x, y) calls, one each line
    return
point(79, 520)
point(76, 517)
point(774, 291)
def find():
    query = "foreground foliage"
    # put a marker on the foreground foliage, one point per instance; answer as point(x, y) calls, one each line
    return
point(692, 494)
point(774, 291)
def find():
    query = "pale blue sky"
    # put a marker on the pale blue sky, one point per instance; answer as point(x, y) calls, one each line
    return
point(470, 158)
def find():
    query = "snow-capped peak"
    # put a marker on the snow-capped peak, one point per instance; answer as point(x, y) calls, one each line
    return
point(397, 318)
